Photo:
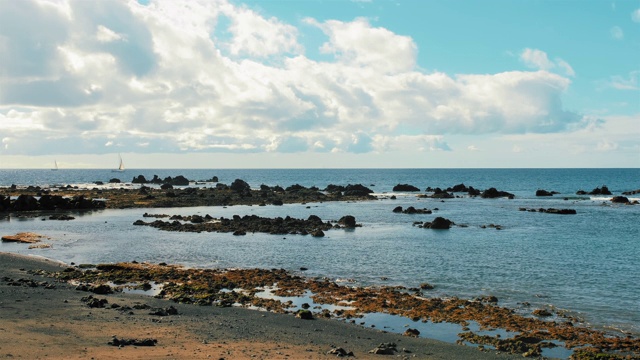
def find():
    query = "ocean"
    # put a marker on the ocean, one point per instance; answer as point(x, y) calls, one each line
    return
point(586, 265)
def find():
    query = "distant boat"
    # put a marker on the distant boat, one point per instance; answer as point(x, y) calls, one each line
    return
point(120, 167)
point(55, 166)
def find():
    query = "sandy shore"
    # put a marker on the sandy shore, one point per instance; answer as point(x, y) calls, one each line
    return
point(47, 319)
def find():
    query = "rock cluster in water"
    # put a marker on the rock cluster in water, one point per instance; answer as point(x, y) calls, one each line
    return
point(597, 191)
point(237, 193)
point(48, 202)
point(551, 211)
point(238, 225)
point(411, 210)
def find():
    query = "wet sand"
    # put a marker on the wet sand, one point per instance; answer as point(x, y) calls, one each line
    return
point(48, 319)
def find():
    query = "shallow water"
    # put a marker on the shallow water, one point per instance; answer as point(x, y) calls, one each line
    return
point(584, 263)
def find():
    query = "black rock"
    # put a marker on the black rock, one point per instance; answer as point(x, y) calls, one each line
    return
point(543, 193)
point(620, 199)
point(405, 187)
point(347, 221)
point(439, 223)
point(492, 193)
point(240, 186)
point(600, 191)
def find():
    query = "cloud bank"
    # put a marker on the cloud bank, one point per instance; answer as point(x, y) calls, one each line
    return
point(211, 76)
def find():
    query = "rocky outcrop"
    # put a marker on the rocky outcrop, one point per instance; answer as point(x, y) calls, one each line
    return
point(177, 181)
point(411, 210)
point(140, 179)
point(620, 200)
point(356, 190)
point(240, 186)
point(551, 211)
point(340, 352)
point(473, 192)
point(24, 237)
point(441, 194)
point(600, 191)
point(542, 192)
point(348, 221)
point(411, 332)
point(48, 202)
point(458, 188)
point(405, 187)
point(493, 193)
point(438, 223)
point(249, 223)
point(218, 194)
point(632, 192)
point(385, 349)
point(317, 233)
point(304, 315)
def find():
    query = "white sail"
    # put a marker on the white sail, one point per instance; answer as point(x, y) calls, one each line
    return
point(55, 165)
point(121, 166)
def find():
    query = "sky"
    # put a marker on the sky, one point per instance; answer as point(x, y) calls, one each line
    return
point(319, 83)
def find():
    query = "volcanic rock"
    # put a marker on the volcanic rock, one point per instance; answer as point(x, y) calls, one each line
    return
point(405, 187)
point(348, 221)
point(620, 200)
point(493, 193)
point(439, 223)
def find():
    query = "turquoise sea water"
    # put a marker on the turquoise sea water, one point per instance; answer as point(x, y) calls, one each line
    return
point(587, 264)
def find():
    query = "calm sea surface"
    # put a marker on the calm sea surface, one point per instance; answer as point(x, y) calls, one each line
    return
point(587, 264)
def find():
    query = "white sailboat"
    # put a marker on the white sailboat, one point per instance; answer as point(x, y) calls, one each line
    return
point(120, 167)
point(55, 165)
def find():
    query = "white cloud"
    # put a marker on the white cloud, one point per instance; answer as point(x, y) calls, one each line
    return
point(635, 15)
point(410, 143)
point(587, 144)
point(254, 35)
point(172, 87)
point(567, 69)
point(538, 59)
point(606, 145)
point(104, 34)
point(616, 33)
point(630, 83)
point(358, 44)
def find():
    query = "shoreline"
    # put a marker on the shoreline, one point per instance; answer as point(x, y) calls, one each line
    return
point(187, 288)
point(54, 323)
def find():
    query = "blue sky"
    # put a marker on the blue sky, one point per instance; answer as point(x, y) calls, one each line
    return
point(378, 83)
